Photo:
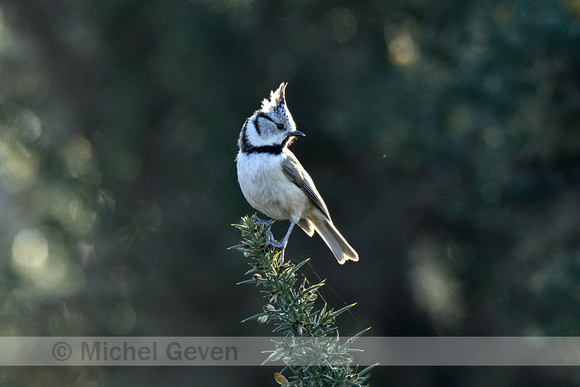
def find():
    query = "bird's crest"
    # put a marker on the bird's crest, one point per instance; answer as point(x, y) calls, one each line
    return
point(277, 99)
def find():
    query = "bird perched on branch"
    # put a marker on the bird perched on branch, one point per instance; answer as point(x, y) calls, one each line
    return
point(274, 182)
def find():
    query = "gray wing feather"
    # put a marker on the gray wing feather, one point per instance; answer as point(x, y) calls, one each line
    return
point(298, 175)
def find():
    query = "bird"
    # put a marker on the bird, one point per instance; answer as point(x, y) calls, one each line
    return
point(274, 182)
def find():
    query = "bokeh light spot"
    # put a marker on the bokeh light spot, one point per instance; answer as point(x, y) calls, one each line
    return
point(77, 155)
point(52, 275)
point(504, 12)
point(18, 167)
point(123, 318)
point(401, 47)
point(29, 125)
point(435, 288)
point(494, 136)
point(340, 24)
point(63, 205)
point(29, 250)
point(5, 36)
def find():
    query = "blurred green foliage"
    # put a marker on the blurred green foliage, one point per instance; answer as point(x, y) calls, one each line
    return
point(443, 135)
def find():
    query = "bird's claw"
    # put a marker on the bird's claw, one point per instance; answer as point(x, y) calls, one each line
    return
point(273, 242)
point(280, 245)
point(261, 222)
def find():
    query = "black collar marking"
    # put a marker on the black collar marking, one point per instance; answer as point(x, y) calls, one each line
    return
point(272, 149)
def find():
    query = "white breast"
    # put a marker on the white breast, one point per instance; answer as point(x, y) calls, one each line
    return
point(267, 188)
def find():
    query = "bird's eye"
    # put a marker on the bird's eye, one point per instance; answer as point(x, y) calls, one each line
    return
point(280, 126)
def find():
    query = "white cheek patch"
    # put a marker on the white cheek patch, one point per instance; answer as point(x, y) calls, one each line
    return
point(262, 131)
point(254, 136)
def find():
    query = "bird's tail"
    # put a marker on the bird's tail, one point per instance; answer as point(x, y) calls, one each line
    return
point(336, 242)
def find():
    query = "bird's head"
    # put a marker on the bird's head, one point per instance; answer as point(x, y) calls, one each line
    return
point(272, 125)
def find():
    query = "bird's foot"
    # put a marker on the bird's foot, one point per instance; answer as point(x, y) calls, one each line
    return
point(280, 245)
point(261, 222)
point(273, 242)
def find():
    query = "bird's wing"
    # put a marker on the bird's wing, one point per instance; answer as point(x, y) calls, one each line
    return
point(298, 175)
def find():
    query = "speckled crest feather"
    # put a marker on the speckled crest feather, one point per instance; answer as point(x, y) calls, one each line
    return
point(277, 100)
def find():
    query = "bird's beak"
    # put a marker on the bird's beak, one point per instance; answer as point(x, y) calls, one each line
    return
point(297, 133)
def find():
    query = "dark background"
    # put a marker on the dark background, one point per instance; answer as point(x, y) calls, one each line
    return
point(443, 135)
